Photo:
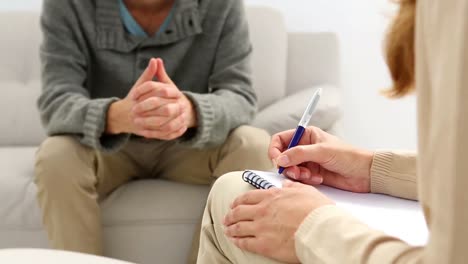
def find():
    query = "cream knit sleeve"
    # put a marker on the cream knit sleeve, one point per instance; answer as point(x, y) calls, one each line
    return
point(394, 173)
point(331, 235)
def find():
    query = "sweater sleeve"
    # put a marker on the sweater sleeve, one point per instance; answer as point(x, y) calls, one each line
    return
point(65, 105)
point(232, 100)
point(394, 173)
point(330, 235)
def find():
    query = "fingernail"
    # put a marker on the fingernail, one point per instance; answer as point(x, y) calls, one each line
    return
point(275, 165)
point(317, 179)
point(283, 160)
point(291, 174)
point(304, 175)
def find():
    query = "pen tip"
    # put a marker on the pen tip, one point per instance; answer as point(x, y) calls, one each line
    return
point(280, 170)
point(319, 91)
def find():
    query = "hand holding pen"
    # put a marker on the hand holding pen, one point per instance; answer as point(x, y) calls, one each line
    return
point(304, 121)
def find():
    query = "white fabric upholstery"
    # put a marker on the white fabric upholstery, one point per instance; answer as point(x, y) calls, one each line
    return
point(313, 59)
point(26, 256)
point(287, 112)
point(19, 47)
point(269, 58)
point(149, 221)
point(155, 213)
point(19, 79)
point(19, 118)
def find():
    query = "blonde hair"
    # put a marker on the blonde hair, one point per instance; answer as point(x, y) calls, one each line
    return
point(400, 53)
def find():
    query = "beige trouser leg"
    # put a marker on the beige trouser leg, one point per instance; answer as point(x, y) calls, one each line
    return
point(70, 177)
point(245, 148)
point(214, 246)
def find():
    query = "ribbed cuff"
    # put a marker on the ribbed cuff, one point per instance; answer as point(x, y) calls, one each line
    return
point(205, 120)
point(95, 125)
point(380, 171)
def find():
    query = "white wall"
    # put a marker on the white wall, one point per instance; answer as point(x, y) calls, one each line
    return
point(370, 120)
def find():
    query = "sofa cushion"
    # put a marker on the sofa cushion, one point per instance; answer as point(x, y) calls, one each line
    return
point(147, 211)
point(285, 114)
point(139, 210)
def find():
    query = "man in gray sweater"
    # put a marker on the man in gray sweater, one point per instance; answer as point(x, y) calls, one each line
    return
point(114, 112)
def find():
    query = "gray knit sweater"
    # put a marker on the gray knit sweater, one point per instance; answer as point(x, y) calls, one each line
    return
point(90, 61)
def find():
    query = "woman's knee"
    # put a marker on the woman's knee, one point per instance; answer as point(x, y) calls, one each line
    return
point(225, 190)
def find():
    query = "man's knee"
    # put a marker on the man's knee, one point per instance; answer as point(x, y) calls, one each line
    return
point(249, 138)
point(247, 148)
point(57, 158)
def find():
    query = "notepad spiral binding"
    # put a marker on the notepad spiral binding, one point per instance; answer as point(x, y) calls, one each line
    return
point(256, 181)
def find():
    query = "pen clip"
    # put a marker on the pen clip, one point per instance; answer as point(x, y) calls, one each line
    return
point(310, 108)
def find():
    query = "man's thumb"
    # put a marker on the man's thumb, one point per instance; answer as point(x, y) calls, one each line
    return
point(301, 154)
point(161, 73)
point(148, 74)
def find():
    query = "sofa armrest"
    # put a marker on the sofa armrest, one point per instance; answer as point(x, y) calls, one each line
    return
point(286, 113)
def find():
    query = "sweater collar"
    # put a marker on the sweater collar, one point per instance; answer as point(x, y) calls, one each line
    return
point(111, 33)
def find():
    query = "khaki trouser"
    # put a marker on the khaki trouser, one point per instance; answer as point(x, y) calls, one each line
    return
point(71, 178)
point(215, 247)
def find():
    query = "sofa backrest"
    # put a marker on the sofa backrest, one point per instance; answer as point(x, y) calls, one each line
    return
point(19, 79)
point(280, 60)
point(313, 59)
point(270, 54)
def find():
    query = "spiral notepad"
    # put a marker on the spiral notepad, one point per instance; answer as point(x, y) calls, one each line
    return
point(263, 179)
point(399, 217)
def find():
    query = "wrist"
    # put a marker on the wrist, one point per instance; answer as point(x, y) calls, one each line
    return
point(368, 157)
point(192, 113)
point(117, 118)
point(367, 164)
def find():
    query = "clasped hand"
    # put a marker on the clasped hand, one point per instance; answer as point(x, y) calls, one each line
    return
point(153, 109)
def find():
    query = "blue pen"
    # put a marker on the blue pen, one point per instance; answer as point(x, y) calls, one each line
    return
point(304, 121)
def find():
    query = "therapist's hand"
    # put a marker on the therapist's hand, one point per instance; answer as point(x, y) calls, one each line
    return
point(322, 158)
point(265, 221)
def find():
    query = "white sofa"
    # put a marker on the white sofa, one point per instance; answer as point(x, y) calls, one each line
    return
point(150, 221)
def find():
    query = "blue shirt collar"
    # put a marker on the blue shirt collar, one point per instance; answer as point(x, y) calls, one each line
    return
point(132, 26)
